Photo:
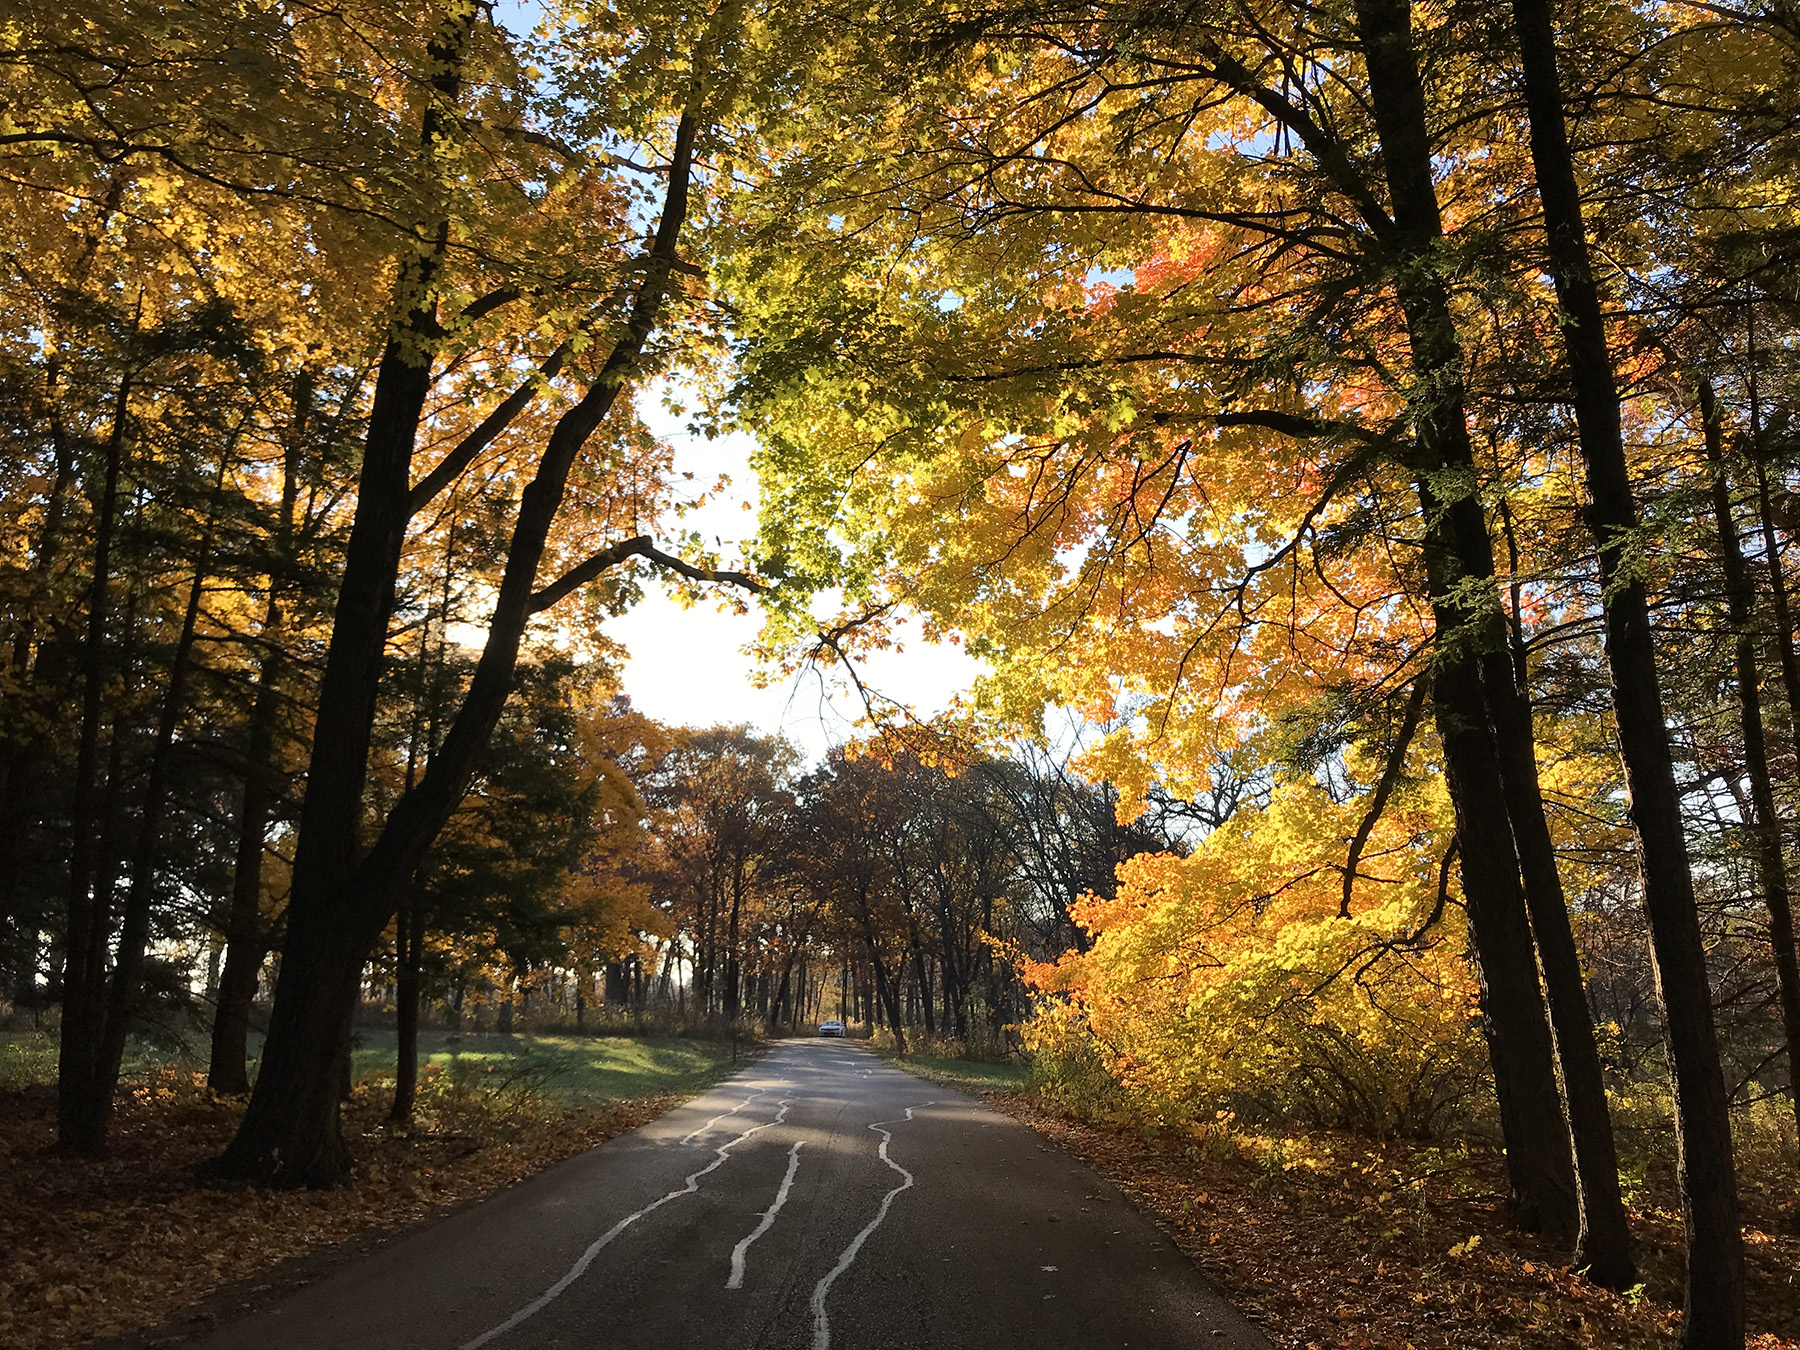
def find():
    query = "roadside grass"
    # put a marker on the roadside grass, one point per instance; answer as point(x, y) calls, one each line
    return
point(572, 1068)
point(567, 1069)
point(971, 1075)
point(131, 1244)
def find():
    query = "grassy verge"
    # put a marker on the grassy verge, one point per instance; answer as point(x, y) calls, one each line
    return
point(570, 1069)
point(97, 1248)
point(971, 1075)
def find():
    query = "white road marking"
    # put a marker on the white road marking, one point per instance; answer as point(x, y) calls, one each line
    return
point(821, 1322)
point(586, 1259)
point(689, 1138)
point(768, 1219)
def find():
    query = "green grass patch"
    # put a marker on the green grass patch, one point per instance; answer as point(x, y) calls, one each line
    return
point(975, 1074)
point(27, 1059)
point(575, 1069)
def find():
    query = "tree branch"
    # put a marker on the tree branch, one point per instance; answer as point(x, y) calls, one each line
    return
point(1390, 775)
point(639, 546)
point(450, 467)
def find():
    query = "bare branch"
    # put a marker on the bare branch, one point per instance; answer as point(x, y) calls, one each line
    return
point(1390, 775)
point(484, 435)
point(639, 546)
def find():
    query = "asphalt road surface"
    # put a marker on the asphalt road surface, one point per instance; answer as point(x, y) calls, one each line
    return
point(820, 1200)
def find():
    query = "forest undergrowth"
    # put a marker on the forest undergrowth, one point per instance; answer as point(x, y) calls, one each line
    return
point(94, 1249)
point(1332, 1240)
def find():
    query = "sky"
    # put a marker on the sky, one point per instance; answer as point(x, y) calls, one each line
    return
point(689, 667)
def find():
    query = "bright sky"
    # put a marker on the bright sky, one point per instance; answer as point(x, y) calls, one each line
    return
point(689, 666)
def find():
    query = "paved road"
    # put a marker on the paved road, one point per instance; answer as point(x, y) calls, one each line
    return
point(821, 1200)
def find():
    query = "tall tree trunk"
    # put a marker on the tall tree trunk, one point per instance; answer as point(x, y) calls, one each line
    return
point(1458, 553)
point(134, 926)
point(21, 759)
point(409, 942)
point(1603, 1242)
point(246, 939)
point(324, 951)
point(955, 1017)
point(778, 1009)
point(1714, 1314)
point(1539, 1158)
point(1786, 656)
point(1603, 1247)
point(922, 982)
point(1778, 595)
point(85, 940)
point(1763, 819)
point(732, 973)
point(290, 1133)
point(887, 993)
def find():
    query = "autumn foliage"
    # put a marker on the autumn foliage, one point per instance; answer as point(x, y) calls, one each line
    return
point(1371, 429)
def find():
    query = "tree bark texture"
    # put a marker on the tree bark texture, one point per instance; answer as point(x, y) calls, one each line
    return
point(1469, 633)
point(1713, 1317)
point(409, 957)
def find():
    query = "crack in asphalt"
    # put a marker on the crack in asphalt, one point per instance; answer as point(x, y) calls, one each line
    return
point(821, 1319)
point(739, 1252)
point(586, 1259)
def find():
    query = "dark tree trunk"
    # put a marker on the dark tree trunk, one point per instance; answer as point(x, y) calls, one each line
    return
point(923, 983)
point(134, 927)
point(409, 954)
point(1603, 1248)
point(246, 940)
point(1539, 1159)
point(340, 905)
point(1764, 820)
point(337, 915)
point(614, 989)
point(280, 1137)
point(915, 953)
point(21, 759)
point(1458, 552)
point(732, 991)
point(1785, 654)
point(1714, 1313)
point(779, 1010)
point(955, 1015)
point(1603, 1243)
point(887, 992)
point(84, 959)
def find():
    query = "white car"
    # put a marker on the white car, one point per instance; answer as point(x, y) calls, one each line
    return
point(831, 1027)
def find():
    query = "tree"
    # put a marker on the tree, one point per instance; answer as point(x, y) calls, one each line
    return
point(1714, 1310)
